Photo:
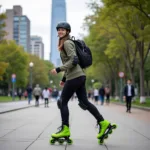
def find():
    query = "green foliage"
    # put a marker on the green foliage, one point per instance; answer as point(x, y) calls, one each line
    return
point(54, 78)
point(17, 61)
point(97, 85)
point(119, 33)
point(3, 67)
point(3, 33)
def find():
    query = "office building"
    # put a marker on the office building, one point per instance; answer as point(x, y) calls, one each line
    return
point(58, 15)
point(37, 46)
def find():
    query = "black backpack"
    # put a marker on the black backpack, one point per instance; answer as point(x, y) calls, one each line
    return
point(83, 52)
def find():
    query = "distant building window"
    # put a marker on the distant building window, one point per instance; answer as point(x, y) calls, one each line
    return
point(23, 23)
point(23, 18)
point(22, 36)
point(23, 31)
point(16, 18)
point(22, 27)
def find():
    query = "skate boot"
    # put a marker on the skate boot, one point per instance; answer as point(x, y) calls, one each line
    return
point(105, 128)
point(61, 136)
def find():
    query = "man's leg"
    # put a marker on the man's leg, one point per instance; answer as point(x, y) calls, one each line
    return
point(129, 106)
point(127, 103)
point(36, 97)
point(45, 101)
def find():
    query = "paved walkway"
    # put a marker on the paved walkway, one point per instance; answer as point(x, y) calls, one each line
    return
point(30, 129)
point(16, 105)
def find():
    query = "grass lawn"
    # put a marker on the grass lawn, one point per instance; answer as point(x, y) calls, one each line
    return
point(7, 99)
point(137, 102)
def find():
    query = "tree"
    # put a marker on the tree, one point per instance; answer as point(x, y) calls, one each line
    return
point(54, 78)
point(3, 33)
point(39, 71)
point(97, 85)
point(127, 28)
point(17, 60)
point(141, 5)
point(3, 67)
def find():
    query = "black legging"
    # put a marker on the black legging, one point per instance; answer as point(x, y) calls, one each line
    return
point(76, 85)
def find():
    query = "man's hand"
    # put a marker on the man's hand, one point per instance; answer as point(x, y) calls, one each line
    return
point(61, 84)
point(53, 71)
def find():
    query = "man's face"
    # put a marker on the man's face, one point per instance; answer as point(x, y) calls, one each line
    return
point(129, 82)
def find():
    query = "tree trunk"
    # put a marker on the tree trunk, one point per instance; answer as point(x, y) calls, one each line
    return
point(116, 89)
point(9, 89)
point(142, 92)
point(147, 90)
point(141, 52)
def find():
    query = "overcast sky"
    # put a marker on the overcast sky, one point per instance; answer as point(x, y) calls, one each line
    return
point(39, 13)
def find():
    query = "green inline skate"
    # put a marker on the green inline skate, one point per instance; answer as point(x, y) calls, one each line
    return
point(61, 136)
point(105, 128)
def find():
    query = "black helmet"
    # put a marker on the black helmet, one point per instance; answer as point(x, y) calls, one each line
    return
point(64, 25)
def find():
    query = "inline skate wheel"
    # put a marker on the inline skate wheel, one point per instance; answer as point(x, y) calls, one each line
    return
point(114, 126)
point(100, 142)
point(69, 141)
point(52, 141)
point(106, 137)
point(61, 141)
point(110, 132)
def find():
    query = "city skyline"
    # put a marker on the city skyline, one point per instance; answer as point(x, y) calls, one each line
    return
point(40, 25)
point(37, 46)
point(58, 14)
point(18, 27)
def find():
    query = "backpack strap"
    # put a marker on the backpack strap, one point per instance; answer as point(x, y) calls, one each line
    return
point(72, 39)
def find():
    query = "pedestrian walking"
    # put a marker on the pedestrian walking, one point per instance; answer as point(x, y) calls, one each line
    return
point(19, 93)
point(37, 93)
point(107, 93)
point(25, 94)
point(102, 94)
point(73, 80)
point(96, 96)
point(55, 94)
point(89, 94)
point(29, 93)
point(46, 95)
point(129, 93)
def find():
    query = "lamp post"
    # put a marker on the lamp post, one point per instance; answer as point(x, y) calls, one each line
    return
point(121, 75)
point(51, 81)
point(31, 64)
point(92, 82)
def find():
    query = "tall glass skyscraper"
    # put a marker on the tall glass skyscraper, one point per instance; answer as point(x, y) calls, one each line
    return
point(58, 15)
point(21, 31)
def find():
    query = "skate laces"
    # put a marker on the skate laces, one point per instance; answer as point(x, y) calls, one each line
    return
point(97, 124)
point(59, 129)
point(98, 127)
